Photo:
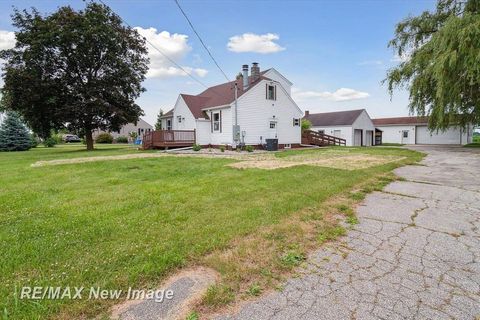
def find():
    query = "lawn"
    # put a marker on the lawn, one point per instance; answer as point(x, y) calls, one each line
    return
point(116, 224)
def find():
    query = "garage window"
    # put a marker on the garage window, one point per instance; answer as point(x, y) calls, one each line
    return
point(405, 134)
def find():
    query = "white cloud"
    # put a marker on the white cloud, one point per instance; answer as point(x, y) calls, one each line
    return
point(259, 43)
point(342, 94)
point(7, 39)
point(371, 63)
point(174, 46)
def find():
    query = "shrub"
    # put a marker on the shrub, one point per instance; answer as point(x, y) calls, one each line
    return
point(196, 147)
point(121, 139)
point(222, 148)
point(249, 148)
point(104, 138)
point(58, 137)
point(50, 142)
point(33, 141)
point(306, 124)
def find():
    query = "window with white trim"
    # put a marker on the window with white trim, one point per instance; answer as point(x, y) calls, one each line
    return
point(169, 124)
point(216, 121)
point(271, 92)
point(179, 119)
point(287, 146)
point(273, 124)
point(321, 131)
point(296, 122)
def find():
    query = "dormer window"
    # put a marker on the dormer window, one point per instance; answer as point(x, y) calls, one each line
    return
point(271, 92)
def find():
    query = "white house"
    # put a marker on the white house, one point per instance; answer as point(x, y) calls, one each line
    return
point(140, 128)
point(414, 130)
point(355, 126)
point(264, 110)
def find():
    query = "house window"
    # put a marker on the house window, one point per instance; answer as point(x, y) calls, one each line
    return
point(296, 122)
point(216, 121)
point(273, 124)
point(179, 119)
point(287, 146)
point(321, 131)
point(405, 134)
point(271, 92)
point(169, 124)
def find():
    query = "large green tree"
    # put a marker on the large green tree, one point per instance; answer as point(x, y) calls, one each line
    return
point(80, 69)
point(440, 64)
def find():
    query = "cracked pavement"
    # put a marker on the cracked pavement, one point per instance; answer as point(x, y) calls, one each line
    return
point(415, 253)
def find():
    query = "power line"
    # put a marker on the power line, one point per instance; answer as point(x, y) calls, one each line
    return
point(201, 41)
point(161, 52)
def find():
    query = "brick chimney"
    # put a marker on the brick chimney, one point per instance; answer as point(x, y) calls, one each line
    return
point(255, 71)
point(307, 113)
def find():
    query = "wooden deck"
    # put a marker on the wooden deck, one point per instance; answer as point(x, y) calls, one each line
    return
point(320, 139)
point(168, 138)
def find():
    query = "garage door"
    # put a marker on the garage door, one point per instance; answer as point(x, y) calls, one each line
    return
point(424, 136)
point(357, 137)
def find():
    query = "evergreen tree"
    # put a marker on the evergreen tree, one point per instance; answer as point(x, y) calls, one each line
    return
point(158, 125)
point(13, 134)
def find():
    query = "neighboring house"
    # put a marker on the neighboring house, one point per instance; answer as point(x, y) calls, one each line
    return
point(265, 109)
point(140, 128)
point(355, 126)
point(414, 130)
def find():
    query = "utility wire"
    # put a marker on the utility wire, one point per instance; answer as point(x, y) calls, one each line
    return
point(170, 59)
point(161, 52)
point(201, 41)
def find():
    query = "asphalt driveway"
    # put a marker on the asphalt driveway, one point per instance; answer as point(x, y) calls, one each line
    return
point(414, 255)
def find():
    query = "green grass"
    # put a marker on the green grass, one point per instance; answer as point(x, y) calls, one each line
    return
point(392, 144)
point(133, 222)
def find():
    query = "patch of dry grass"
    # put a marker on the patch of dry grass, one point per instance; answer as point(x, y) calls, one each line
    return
point(263, 260)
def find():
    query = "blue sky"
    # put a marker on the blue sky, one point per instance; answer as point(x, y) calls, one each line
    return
point(321, 46)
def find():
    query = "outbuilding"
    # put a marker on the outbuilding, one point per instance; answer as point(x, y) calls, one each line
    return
point(414, 130)
point(355, 126)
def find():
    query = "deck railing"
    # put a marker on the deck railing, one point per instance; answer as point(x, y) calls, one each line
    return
point(321, 139)
point(168, 138)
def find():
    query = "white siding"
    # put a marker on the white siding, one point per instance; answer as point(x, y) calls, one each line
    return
point(225, 136)
point(277, 76)
point(345, 132)
point(364, 123)
point(181, 110)
point(164, 123)
point(140, 128)
point(393, 134)
point(255, 113)
point(452, 135)
point(203, 132)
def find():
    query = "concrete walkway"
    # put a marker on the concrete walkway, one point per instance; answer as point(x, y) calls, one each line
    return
point(414, 255)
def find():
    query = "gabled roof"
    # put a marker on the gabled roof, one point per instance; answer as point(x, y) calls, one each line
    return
point(400, 121)
point(219, 95)
point(169, 114)
point(339, 118)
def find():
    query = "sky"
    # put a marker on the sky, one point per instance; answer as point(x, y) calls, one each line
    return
point(335, 52)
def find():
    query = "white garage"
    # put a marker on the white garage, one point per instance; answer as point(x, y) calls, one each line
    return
point(355, 126)
point(414, 130)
